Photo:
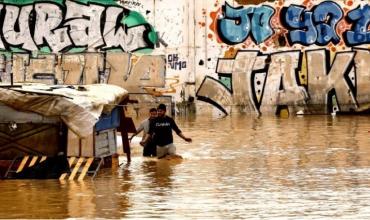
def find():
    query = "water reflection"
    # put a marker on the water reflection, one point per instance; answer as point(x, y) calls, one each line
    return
point(158, 173)
point(81, 199)
point(237, 167)
point(27, 198)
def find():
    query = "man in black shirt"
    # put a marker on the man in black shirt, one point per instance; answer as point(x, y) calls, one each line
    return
point(160, 130)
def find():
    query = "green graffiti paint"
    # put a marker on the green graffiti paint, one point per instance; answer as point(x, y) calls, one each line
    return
point(7, 54)
point(226, 81)
point(45, 49)
point(28, 2)
point(60, 2)
point(77, 50)
point(100, 2)
point(135, 18)
point(17, 50)
point(144, 51)
point(153, 36)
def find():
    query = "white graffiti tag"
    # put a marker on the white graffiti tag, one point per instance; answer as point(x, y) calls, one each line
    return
point(32, 27)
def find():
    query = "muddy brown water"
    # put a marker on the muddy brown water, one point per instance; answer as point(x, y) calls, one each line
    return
point(237, 167)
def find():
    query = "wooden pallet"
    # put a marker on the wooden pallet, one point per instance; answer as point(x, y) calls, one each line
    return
point(82, 166)
point(27, 161)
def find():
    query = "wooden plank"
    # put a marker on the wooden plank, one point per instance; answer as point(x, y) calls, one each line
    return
point(73, 144)
point(23, 163)
point(75, 169)
point(33, 161)
point(70, 161)
point(63, 176)
point(87, 146)
point(43, 159)
point(44, 139)
point(86, 168)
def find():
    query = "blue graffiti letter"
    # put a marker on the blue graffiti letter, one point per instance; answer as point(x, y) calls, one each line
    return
point(261, 29)
point(360, 17)
point(234, 27)
point(326, 16)
point(296, 18)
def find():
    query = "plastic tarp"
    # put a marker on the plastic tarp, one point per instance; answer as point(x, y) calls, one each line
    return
point(78, 106)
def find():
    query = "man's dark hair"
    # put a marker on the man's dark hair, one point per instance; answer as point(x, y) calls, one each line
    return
point(153, 110)
point(162, 107)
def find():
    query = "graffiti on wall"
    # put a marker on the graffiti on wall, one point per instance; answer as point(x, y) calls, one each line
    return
point(235, 26)
point(78, 42)
point(175, 63)
point(131, 3)
point(319, 25)
point(131, 72)
point(263, 83)
point(65, 26)
point(319, 64)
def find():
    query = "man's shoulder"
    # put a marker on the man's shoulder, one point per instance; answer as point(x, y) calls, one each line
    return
point(145, 121)
point(168, 117)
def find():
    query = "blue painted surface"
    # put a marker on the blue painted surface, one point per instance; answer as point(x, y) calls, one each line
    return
point(360, 34)
point(109, 121)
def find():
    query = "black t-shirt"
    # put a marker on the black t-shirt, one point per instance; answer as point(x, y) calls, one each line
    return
point(162, 127)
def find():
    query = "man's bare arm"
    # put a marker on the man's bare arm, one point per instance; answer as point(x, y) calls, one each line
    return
point(185, 138)
point(140, 129)
point(145, 139)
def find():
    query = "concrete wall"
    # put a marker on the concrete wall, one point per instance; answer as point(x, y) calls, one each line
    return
point(258, 57)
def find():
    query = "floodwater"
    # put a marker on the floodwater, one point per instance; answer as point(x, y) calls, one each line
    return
point(245, 167)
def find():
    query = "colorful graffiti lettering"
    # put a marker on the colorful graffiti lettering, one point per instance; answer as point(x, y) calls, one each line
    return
point(264, 83)
point(78, 42)
point(360, 34)
point(314, 26)
point(235, 26)
point(70, 26)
